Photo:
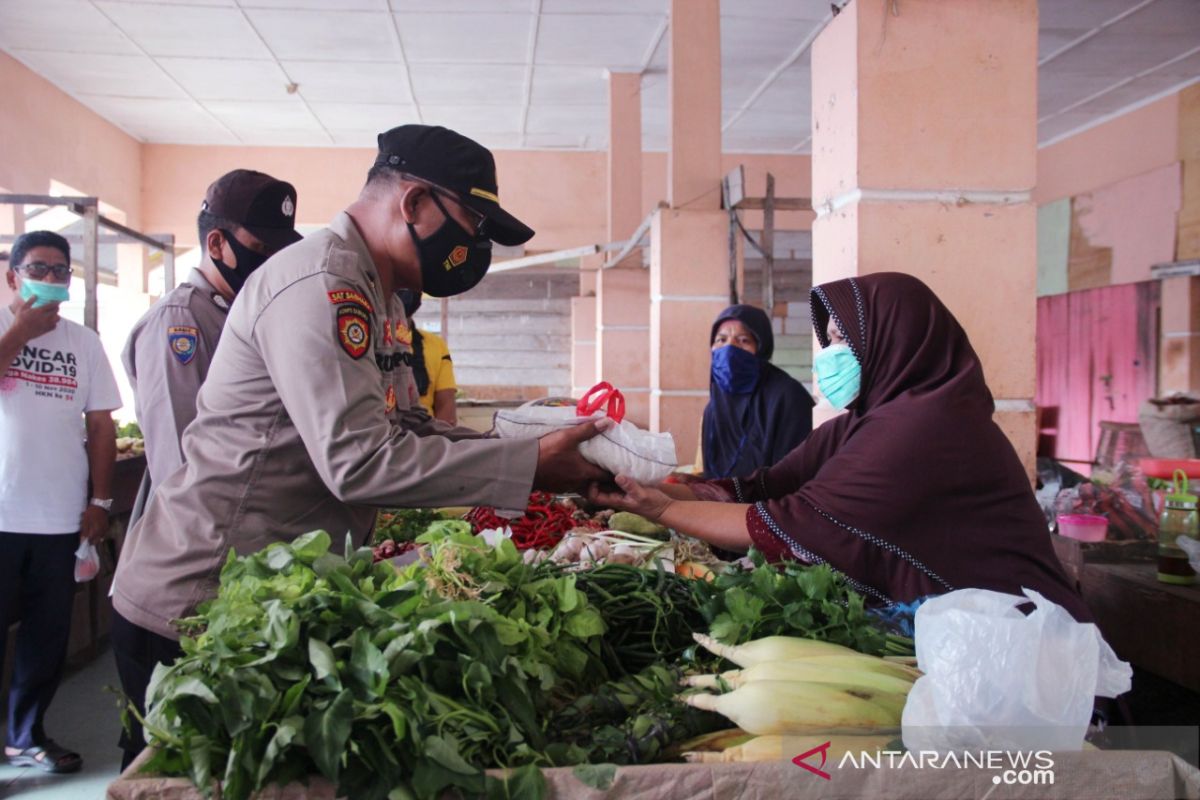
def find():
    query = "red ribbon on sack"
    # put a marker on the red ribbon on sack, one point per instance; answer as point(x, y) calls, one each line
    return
point(604, 392)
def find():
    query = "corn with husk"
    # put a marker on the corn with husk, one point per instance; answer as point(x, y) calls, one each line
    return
point(791, 687)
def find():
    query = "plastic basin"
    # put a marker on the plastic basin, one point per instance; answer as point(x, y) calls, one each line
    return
point(1084, 527)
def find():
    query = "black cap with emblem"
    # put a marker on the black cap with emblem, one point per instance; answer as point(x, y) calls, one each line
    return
point(452, 161)
point(263, 205)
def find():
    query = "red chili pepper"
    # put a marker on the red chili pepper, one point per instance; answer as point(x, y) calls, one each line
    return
point(541, 526)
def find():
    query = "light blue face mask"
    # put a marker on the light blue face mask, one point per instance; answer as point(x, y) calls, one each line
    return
point(45, 293)
point(839, 375)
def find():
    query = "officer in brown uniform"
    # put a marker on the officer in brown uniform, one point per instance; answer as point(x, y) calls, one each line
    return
point(245, 218)
point(310, 418)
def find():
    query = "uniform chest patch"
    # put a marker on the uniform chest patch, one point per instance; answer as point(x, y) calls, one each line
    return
point(403, 334)
point(354, 329)
point(182, 342)
point(390, 399)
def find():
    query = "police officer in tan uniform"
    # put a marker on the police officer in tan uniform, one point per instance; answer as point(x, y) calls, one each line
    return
point(245, 218)
point(310, 418)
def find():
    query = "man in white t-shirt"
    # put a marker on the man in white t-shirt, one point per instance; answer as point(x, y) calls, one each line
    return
point(57, 393)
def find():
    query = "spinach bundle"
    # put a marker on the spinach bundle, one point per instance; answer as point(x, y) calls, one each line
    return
point(389, 684)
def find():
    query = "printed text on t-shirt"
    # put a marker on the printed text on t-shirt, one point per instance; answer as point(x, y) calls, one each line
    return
point(51, 372)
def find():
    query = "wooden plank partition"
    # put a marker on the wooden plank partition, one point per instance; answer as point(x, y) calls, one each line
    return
point(1097, 353)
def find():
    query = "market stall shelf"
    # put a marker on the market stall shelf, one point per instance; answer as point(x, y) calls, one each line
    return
point(1075, 554)
point(1150, 624)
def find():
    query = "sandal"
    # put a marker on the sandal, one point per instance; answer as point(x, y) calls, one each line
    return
point(48, 757)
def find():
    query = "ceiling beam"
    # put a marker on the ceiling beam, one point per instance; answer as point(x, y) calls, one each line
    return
point(1119, 84)
point(792, 58)
point(1071, 45)
point(530, 57)
point(408, 81)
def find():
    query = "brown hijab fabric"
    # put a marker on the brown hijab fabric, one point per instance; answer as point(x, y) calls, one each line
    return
point(915, 490)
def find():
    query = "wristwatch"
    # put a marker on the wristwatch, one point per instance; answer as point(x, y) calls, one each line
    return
point(98, 503)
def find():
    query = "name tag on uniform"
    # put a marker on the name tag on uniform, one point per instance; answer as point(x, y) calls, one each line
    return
point(182, 341)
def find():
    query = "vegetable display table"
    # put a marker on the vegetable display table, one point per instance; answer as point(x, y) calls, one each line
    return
point(1127, 775)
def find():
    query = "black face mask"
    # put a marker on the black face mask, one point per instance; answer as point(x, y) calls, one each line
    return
point(247, 261)
point(452, 260)
point(411, 301)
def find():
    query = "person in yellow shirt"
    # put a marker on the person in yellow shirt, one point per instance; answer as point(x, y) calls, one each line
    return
point(432, 367)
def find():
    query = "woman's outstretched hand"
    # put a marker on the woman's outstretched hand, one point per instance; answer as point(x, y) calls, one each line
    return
point(646, 501)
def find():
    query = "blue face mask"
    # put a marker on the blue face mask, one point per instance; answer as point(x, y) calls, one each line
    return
point(839, 375)
point(45, 293)
point(735, 370)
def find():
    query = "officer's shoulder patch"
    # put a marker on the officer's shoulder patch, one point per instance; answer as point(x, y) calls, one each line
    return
point(354, 329)
point(182, 339)
point(340, 296)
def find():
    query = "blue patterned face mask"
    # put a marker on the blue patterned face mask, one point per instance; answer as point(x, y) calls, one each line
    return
point(45, 293)
point(734, 369)
point(839, 375)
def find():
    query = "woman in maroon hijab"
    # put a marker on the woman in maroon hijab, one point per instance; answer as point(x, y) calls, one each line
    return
point(915, 491)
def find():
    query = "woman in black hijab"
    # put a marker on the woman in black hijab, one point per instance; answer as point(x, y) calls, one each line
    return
point(756, 412)
point(914, 491)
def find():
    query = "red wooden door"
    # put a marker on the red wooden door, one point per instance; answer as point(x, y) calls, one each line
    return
point(1097, 353)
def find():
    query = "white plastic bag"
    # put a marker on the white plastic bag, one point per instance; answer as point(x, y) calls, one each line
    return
point(622, 449)
point(87, 562)
point(996, 678)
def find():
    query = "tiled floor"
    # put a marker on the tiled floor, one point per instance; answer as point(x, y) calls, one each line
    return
point(84, 718)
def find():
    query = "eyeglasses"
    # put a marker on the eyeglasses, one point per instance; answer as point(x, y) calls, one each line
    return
point(478, 220)
point(38, 270)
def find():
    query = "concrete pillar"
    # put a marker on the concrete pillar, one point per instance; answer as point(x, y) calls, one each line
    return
point(583, 327)
point(12, 222)
point(694, 89)
point(689, 246)
point(623, 291)
point(1179, 357)
point(924, 161)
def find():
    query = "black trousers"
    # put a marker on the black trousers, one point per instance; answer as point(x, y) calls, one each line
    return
point(37, 586)
point(138, 651)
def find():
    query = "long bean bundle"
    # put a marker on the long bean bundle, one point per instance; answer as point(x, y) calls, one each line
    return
point(650, 614)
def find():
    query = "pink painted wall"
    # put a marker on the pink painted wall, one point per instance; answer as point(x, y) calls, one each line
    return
point(1133, 144)
point(46, 135)
point(793, 178)
point(561, 195)
point(1136, 218)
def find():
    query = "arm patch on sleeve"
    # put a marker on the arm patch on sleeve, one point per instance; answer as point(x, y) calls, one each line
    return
point(354, 329)
point(182, 341)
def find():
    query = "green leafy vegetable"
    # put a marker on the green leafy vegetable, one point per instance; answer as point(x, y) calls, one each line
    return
point(791, 599)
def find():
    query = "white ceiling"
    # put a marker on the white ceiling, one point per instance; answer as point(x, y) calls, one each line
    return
point(515, 73)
